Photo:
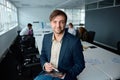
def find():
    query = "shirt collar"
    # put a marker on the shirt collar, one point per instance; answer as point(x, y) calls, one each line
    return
point(53, 37)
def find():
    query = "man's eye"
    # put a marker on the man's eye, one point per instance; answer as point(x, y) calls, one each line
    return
point(62, 22)
point(54, 22)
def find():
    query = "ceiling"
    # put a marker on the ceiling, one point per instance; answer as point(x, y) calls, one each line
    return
point(52, 3)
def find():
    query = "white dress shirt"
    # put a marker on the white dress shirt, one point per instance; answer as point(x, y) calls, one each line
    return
point(24, 31)
point(72, 31)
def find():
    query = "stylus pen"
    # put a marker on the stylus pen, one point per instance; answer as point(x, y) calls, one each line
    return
point(56, 69)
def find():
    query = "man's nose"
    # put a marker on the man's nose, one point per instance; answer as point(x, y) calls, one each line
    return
point(58, 24)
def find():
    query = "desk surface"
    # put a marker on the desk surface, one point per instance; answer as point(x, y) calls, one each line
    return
point(104, 60)
point(39, 34)
point(38, 40)
point(92, 73)
point(111, 70)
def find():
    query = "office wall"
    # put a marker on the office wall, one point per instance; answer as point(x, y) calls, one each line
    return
point(106, 23)
point(6, 40)
point(27, 15)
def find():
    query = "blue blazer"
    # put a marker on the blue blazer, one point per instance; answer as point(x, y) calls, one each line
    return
point(71, 59)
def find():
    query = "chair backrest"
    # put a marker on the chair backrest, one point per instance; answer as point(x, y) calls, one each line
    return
point(91, 36)
point(27, 41)
point(18, 32)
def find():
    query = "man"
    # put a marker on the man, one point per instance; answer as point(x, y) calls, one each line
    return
point(61, 51)
point(27, 30)
point(27, 37)
point(71, 29)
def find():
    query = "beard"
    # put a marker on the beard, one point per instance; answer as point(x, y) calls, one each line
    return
point(58, 31)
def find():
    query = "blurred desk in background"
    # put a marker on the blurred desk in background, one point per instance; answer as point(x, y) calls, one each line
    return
point(108, 63)
point(39, 34)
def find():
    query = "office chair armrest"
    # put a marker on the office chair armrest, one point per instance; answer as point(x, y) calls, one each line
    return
point(32, 54)
point(33, 64)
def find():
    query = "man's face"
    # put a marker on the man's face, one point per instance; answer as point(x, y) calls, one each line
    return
point(58, 24)
point(30, 27)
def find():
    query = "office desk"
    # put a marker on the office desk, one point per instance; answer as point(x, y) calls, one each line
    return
point(104, 60)
point(92, 73)
point(111, 70)
point(38, 42)
point(39, 34)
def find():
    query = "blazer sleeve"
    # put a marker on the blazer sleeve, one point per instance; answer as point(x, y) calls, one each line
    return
point(79, 63)
point(43, 58)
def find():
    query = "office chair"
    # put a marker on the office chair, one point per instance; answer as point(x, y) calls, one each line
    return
point(27, 65)
point(27, 56)
point(28, 49)
point(118, 47)
point(91, 36)
point(27, 46)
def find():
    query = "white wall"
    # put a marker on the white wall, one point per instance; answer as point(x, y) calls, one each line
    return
point(6, 40)
point(28, 15)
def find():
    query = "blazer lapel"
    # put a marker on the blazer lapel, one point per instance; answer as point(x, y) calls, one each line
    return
point(63, 48)
point(49, 45)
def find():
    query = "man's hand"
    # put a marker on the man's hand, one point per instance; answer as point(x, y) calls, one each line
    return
point(61, 76)
point(48, 67)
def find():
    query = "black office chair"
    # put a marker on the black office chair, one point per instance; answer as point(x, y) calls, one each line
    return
point(118, 47)
point(26, 55)
point(91, 36)
point(27, 65)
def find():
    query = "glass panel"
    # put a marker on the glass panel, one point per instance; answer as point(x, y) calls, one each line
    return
point(0, 20)
point(1, 1)
point(69, 13)
point(106, 3)
point(75, 16)
point(4, 2)
point(117, 2)
point(8, 16)
point(91, 6)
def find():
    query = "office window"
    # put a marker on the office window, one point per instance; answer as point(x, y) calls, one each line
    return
point(69, 15)
point(106, 3)
point(82, 16)
point(1, 18)
point(76, 16)
point(8, 16)
point(102, 4)
point(91, 6)
point(1, 28)
point(117, 2)
point(1, 1)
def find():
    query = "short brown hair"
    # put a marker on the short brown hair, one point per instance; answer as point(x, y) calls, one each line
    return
point(56, 13)
point(71, 24)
